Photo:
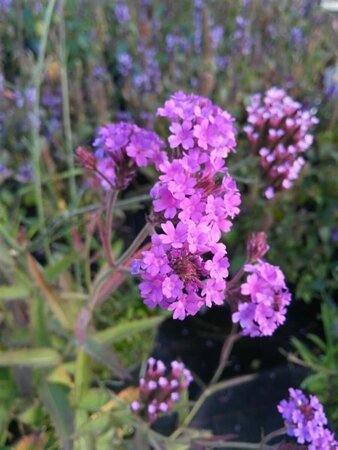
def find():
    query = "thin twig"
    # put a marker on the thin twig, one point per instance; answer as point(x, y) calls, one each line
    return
point(111, 202)
point(228, 345)
point(270, 436)
point(134, 245)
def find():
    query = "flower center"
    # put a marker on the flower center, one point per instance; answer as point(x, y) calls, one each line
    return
point(187, 266)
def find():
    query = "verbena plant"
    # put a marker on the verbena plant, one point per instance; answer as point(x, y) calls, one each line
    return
point(73, 326)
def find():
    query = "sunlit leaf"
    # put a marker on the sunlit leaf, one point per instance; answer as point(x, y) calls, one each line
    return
point(125, 330)
point(31, 357)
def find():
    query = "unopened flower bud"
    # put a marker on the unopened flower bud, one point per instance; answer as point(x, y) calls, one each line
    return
point(85, 158)
point(257, 246)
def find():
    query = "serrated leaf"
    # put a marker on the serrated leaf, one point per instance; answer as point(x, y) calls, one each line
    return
point(54, 397)
point(125, 330)
point(31, 357)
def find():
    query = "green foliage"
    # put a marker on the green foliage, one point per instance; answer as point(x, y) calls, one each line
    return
point(321, 356)
point(53, 385)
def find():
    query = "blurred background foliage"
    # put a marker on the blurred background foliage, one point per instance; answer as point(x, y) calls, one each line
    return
point(67, 67)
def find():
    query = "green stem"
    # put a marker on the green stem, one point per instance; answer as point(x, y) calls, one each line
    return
point(36, 145)
point(111, 202)
point(82, 376)
point(228, 344)
point(272, 435)
point(134, 245)
point(66, 106)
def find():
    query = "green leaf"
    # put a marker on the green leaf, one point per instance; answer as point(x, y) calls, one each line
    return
point(8, 393)
point(31, 357)
point(304, 351)
point(13, 292)
point(105, 356)
point(49, 294)
point(54, 397)
point(125, 330)
point(54, 270)
point(317, 341)
point(94, 399)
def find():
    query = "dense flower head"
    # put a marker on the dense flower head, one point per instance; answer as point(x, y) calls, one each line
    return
point(159, 390)
point(306, 421)
point(123, 147)
point(183, 270)
point(264, 301)
point(194, 202)
point(278, 129)
point(196, 123)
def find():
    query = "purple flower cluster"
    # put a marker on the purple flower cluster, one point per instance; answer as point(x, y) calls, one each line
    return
point(123, 147)
point(278, 131)
point(306, 421)
point(265, 300)
point(195, 201)
point(196, 123)
point(157, 391)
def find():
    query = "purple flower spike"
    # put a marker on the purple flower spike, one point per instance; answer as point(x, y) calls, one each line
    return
point(194, 202)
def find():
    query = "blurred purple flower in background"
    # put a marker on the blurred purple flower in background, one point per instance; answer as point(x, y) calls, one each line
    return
point(121, 12)
point(120, 149)
point(24, 174)
point(159, 391)
point(278, 130)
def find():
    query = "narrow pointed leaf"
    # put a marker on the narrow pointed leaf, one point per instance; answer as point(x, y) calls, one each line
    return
point(13, 292)
point(125, 330)
point(31, 357)
point(105, 356)
point(48, 292)
point(54, 398)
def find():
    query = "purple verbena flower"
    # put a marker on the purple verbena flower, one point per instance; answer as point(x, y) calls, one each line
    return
point(123, 147)
point(197, 123)
point(25, 174)
point(278, 130)
point(265, 299)
point(305, 420)
point(194, 202)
